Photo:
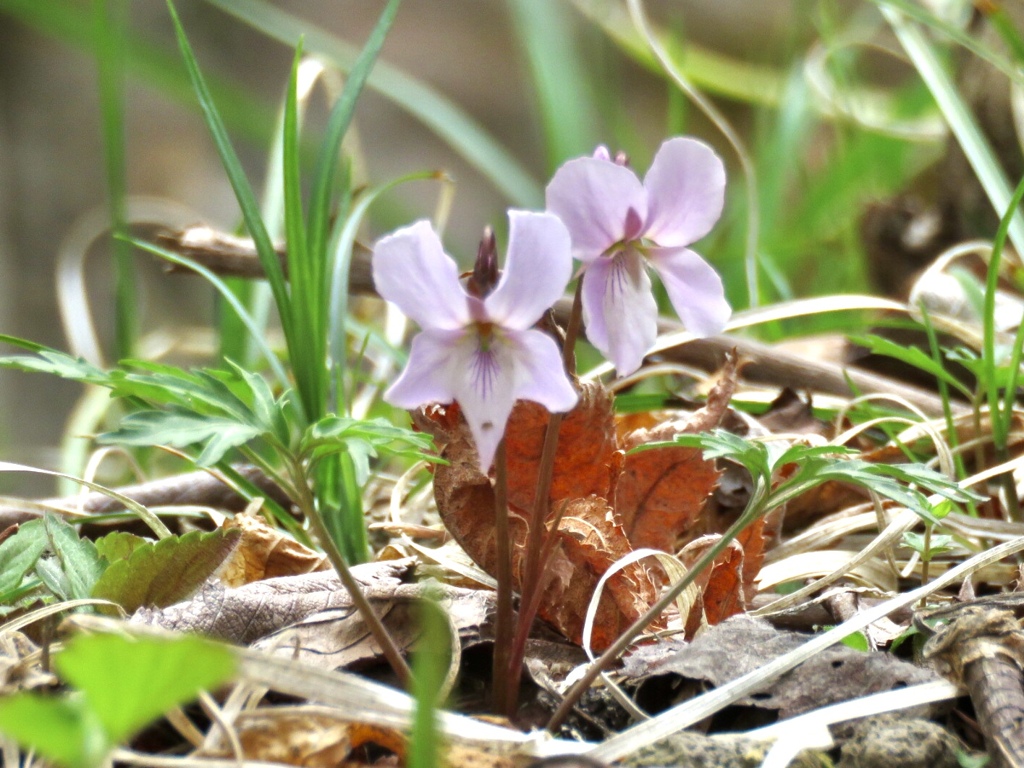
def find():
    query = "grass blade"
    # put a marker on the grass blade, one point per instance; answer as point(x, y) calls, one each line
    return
point(977, 149)
point(243, 191)
point(562, 89)
point(445, 119)
point(111, 20)
point(337, 126)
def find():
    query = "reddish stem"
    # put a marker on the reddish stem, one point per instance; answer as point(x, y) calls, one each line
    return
point(503, 573)
point(534, 574)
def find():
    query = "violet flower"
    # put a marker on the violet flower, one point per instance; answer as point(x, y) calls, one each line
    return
point(616, 222)
point(481, 351)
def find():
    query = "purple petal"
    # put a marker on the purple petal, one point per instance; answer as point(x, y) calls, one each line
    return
point(428, 376)
point(694, 288)
point(411, 270)
point(485, 390)
point(620, 311)
point(537, 268)
point(541, 371)
point(594, 198)
point(685, 192)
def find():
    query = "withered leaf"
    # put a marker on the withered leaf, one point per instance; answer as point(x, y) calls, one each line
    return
point(339, 638)
point(165, 572)
point(728, 585)
point(589, 539)
point(244, 614)
point(586, 444)
point(660, 493)
point(265, 552)
point(742, 644)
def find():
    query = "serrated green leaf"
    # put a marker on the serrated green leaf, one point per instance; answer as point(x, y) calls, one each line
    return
point(914, 541)
point(165, 572)
point(269, 412)
point(361, 440)
point(129, 682)
point(77, 557)
point(51, 361)
point(181, 429)
point(61, 729)
point(119, 545)
point(19, 553)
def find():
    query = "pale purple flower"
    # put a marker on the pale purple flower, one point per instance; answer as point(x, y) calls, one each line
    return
point(619, 224)
point(481, 352)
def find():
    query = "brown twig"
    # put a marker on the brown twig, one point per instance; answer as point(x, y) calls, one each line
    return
point(191, 489)
point(982, 648)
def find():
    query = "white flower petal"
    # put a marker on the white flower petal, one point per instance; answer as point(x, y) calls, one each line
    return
point(630, 312)
point(685, 192)
point(595, 280)
point(537, 267)
point(694, 288)
point(411, 270)
point(594, 199)
point(428, 376)
point(540, 371)
point(485, 390)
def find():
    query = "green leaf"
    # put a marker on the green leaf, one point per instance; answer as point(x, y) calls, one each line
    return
point(119, 545)
point(19, 553)
point(53, 577)
point(180, 430)
point(129, 682)
point(165, 572)
point(858, 641)
point(928, 548)
point(339, 433)
point(913, 356)
point(61, 729)
point(77, 557)
point(51, 361)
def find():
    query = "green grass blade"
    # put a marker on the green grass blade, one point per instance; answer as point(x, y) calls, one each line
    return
point(445, 119)
point(962, 123)
point(337, 127)
point(111, 21)
point(972, 43)
point(306, 346)
point(1000, 425)
point(243, 191)
point(709, 70)
point(340, 253)
point(562, 89)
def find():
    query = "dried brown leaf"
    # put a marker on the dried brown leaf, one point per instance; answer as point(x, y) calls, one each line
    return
point(265, 552)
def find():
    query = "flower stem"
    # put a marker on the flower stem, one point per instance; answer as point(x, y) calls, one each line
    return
point(373, 622)
point(534, 573)
point(503, 571)
point(572, 330)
